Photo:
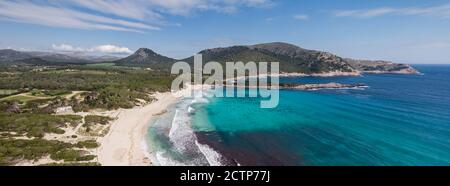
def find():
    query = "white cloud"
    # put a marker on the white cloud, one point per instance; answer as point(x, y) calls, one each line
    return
point(365, 13)
point(105, 49)
point(67, 48)
point(301, 17)
point(112, 49)
point(442, 11)
point(55, 16)
point(118, 15)
point(186, 7)
point(129, 9)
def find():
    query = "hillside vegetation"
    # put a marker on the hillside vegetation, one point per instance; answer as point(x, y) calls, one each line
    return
point(31, 130)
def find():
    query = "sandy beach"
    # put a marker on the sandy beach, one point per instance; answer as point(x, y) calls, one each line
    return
point(122, 145)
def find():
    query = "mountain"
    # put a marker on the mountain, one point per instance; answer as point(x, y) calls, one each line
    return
point(34, 61)
point(293, 59)
point(9, 55)
point(296, 59)
point(30, 57)
point(90, 58)
point(57, 57)
point(283, 49)
point(145, 57)
point(101, 58)
point(12, 55)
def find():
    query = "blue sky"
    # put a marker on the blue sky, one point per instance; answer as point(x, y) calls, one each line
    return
point(407, 31)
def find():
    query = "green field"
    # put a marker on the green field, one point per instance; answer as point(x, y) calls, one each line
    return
point(49, 93)
point(7, 91)
point(76, 72)
point(23, 98)
point(101, 65)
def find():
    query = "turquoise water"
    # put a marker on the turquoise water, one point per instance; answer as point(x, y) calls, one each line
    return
point(397, 120)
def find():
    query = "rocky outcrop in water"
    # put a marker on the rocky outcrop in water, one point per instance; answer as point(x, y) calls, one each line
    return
point(321, 86)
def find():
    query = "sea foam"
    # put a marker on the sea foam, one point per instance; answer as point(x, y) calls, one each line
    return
point(185, 148)
point(210, 154)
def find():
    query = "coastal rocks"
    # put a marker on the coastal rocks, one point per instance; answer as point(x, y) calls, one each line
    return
point(405, 70)
point(321, 86)
point(325, 74)
point(296, 86)
point(381, 67)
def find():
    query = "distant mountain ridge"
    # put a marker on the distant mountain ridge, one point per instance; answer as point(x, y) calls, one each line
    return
point(292, 59)
point(12, 55)
point(9, 55)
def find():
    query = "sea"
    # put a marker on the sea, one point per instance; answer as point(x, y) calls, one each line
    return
point(396, 120)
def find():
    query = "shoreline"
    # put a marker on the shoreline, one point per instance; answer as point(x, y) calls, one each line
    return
point(122, 145)
point(331, 74)
point(325, 74)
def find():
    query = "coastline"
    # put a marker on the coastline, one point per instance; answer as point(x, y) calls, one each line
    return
point(336, 74)
point(326, 74)
point(122, 145)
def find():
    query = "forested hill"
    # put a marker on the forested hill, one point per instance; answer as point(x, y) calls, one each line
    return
point(291, 57)
point(295, 59)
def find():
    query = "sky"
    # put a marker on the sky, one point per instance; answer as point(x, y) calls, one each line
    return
point(406, 31)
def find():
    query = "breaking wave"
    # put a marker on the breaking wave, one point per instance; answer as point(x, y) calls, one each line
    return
point(173, 140)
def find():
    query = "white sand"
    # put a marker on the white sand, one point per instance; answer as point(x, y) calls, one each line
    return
point(122, 145)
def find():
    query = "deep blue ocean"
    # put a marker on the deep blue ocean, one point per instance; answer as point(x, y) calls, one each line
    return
point(396, 120)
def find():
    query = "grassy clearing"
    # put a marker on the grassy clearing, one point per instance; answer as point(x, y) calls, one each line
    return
point(49, 93)
point(23, 98)
point(101, 65)
point(38, 95)
point(7, 91)
point(77, 72)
